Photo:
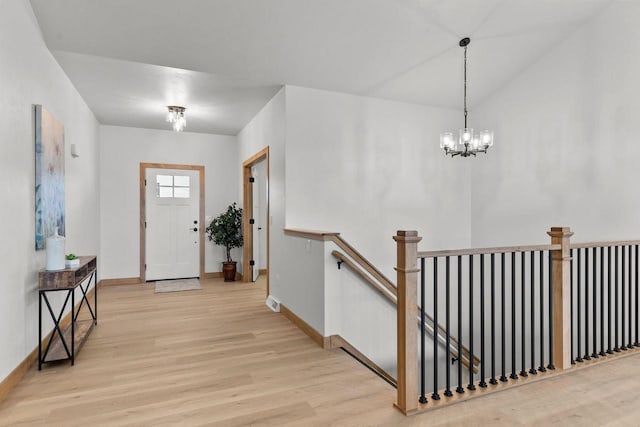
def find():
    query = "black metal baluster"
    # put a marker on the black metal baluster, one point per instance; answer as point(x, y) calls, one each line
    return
point(586, 304)
point(623, 283)
point(602, 352)
point(578, 305)
point(447, 391)
point(435, 395)
point(482, 383)
point(630, 307)
point(459, 389)
point(610, 324)
point(617, 312)
point(637, 344)
point(513, 375)
point(523, 370)
point(423, 398)
point(503, 377)
point(471, 386)
point(550, 271)
point(594, 312)
point(617, 309)
point(493, 320)
point(573, 358)
point(533, 370)
point(541, 267)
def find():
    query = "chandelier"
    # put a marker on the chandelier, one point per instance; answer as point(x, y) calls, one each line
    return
point(467, 143)
point(175, 115)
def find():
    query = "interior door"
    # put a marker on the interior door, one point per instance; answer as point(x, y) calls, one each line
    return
point(255, 186)
point(172, 223)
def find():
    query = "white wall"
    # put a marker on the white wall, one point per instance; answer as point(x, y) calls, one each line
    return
point(368, 167)
point(566, 150)
point(362, 166)
point(30, 75)
point(122, 149)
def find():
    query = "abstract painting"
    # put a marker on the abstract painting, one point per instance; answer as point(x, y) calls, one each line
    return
point(49, 176)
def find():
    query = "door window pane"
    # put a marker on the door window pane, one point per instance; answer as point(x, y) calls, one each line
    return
point(181, 181)
point(181, 192)
point(165, 191)
point(165, 180)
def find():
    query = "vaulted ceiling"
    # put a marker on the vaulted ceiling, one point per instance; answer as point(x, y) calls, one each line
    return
point(224, 59)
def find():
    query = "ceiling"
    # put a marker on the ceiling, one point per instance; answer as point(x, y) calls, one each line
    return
point(224, 59)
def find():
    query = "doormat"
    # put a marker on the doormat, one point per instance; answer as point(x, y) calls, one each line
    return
point(177, 285)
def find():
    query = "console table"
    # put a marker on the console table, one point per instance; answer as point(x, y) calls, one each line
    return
point(64, 343)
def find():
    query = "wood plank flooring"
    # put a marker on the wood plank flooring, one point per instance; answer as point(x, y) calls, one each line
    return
point(218, 356)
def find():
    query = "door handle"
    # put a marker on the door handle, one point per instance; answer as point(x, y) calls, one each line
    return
point(194, 229)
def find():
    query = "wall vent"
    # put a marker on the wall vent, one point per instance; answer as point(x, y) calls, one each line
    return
point(273, 304)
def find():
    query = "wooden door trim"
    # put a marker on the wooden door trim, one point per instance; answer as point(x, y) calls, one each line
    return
point(143, 246)
point(247, 203)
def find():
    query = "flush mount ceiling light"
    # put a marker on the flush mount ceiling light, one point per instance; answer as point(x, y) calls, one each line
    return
point(175, 116)
point(468, 143)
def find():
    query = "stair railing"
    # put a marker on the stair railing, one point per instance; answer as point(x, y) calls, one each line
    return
point(534, 311)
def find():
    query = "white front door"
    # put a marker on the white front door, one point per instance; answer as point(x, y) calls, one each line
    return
point(172, 206)
point(255, 186)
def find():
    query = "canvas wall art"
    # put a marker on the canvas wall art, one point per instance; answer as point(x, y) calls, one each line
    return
point(49, 176)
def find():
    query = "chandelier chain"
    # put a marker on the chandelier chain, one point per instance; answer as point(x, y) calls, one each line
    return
point(465, 87)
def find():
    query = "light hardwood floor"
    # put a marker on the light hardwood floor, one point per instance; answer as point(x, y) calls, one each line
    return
point(219, 357)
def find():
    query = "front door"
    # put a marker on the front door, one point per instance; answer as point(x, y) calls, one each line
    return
point(172, 223)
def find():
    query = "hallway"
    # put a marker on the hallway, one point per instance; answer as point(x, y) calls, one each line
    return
point(218, 356)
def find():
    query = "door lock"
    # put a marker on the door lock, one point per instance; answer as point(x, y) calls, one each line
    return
point(195, 229)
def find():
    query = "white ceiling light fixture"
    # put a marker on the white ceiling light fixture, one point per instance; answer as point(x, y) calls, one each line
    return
point(468, 143)
point(175, 116)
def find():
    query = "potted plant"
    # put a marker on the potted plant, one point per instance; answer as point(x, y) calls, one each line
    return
point(226, 230)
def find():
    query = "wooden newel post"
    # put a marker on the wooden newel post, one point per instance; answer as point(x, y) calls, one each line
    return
point(407, 243)
point(561, 273)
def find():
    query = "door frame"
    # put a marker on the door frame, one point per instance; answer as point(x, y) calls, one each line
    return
point(143, 238)
point(247, 203)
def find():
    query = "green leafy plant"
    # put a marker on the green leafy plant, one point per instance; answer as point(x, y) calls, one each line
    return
point(71, 256)
point(226, 229)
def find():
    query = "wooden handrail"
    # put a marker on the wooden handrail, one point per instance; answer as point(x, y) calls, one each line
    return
point(310, 234)
point(350, 250)
point(369, 268)
point(495, 250)
point(373, 272)
point(392, 297)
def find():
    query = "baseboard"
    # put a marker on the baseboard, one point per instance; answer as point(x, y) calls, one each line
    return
point(218, 275)
point(322, 341)
point(336, 341)
point(121, 281)
point(16, 375)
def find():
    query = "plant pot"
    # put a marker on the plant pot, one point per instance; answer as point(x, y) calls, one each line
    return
point(72, 263)
point(229, 271)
